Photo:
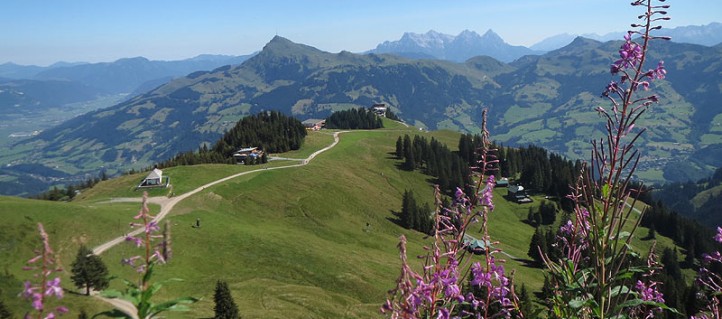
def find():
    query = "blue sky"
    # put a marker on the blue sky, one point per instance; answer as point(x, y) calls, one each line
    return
point(44, 32)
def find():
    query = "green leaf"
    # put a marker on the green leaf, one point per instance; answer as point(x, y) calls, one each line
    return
point(577, 303)
point(618, 290)
point(605, 190)
point(149, 272)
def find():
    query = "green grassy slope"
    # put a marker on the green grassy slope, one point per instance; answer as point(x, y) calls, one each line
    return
point(316, 241)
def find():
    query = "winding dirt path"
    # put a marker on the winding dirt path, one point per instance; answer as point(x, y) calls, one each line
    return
point(167, 204)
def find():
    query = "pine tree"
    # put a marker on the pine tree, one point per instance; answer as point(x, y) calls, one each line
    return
point(537, 246)
point(89, 271)
point(547, 291)
point(525, 303)
point(425, 219)
point(399, 148)
point(225, 307)
point(82, 314)
point(406, 209)
point(651, 233)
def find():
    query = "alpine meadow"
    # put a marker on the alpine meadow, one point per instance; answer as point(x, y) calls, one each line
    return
point(436, 176)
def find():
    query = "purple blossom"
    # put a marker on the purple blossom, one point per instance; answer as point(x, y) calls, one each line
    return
point(136, 240)
point(649, 292)
point(36, 292)
point(145, 240)
point(715, 256)
point(479, 276)
point(658, 73)
point(37, 302)
point(718, 236)
point(487, 195)
point(53, 288)
point(459, 194)
point(443, 314)
point(129, 261)
point(567, 229)
point(630, 54)
point(151, 227)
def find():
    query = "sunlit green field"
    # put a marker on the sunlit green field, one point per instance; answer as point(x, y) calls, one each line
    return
point(317, 241)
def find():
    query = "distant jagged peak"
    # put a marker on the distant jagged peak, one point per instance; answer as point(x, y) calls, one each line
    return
point(428, 39)
point(492, 36)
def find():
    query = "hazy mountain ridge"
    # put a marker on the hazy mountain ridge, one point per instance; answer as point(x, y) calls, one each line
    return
point(546, 100)
point(707, 35)
point(459, 48)
point(126, 75)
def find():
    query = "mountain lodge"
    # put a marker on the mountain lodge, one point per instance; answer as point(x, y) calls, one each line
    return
point(379, 109)
point(314, 124)
point(154, 179)
point(242, 154)
point(518, 194)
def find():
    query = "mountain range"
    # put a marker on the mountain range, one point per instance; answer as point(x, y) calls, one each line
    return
point(468, 44)
point(546, 100)
point(453, 48)
point(707, 35)
point(121, 76)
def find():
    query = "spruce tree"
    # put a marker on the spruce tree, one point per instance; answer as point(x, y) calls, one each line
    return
point(225, 307)
point(537, 246)
point(399, 148)
point(547, 291)
point(82, 314)
point(89, 271)
point(406, 209)
point(525, 303)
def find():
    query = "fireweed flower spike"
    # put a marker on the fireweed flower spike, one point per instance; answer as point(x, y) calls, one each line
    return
point(449, 285)
point(709, 283)
point(44, 263)
point(595, 277)
point(141, 294)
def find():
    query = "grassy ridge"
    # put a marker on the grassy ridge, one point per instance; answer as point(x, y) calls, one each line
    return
point(317, 241)
point(68, 225)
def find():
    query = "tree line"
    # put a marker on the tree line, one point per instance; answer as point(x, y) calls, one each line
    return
point(270, 131)
point(695, 238)
point(358, 118)
point(434, 159)
point(68, 192)
point(414, 216)
point(681, 197)
point(532, 166)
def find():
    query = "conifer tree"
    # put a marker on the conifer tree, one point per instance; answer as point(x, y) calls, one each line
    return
point(525, 303)
point(225, 307)
point(399, 148)
point(89, 271)
point(547, 291)
point(83, 314)
point(537, 246)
